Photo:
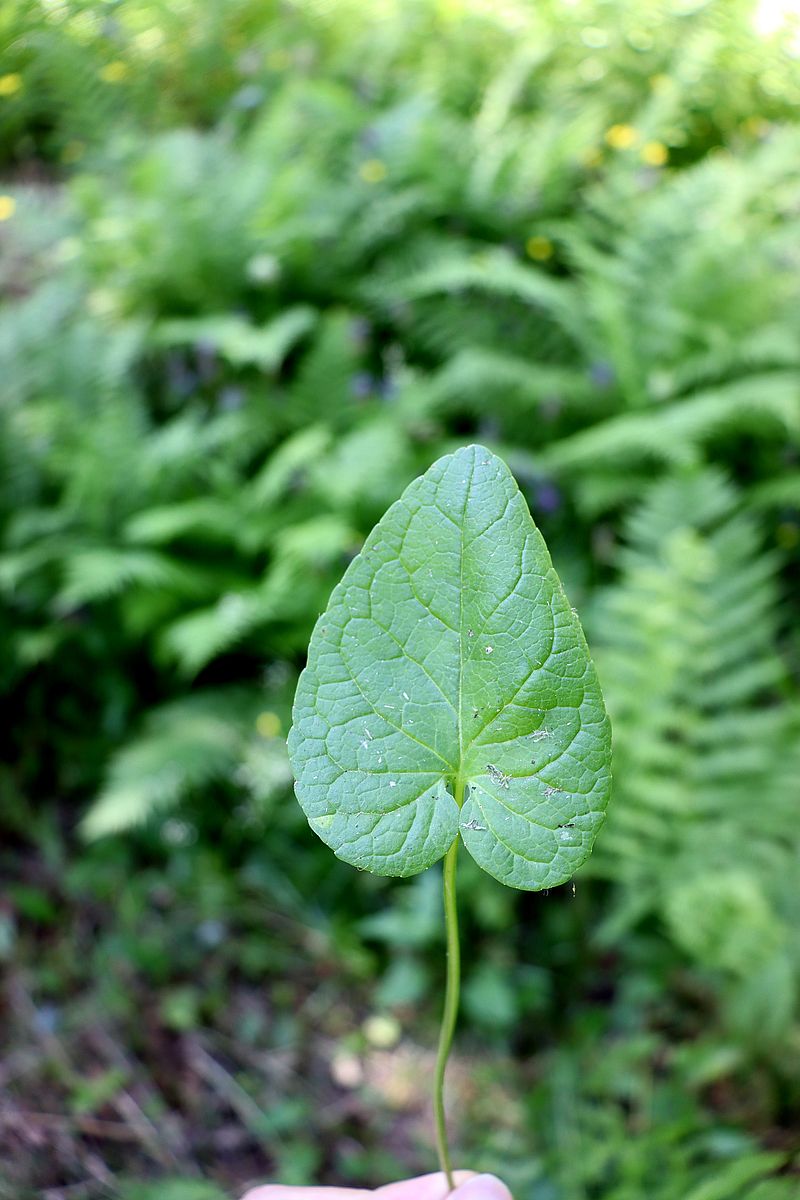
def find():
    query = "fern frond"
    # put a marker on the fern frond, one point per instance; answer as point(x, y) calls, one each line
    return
point(238, 341)
point(686, 648)
point(296, 583)
point(472, 377)
point(183, 746)
point(674, 434)
point(93, 574)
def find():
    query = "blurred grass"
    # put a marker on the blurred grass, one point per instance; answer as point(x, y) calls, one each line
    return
point(261, 263)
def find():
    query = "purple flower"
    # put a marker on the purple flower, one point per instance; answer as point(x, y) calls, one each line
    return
point(362, 385)
point(602, 375)
point(548, 497)
point(182, 381)
point(206, 359)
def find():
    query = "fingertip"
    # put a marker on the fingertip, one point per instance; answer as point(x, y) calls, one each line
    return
point(278, 1191)
point(425, 1187)
point(482, 1187)
point(268, 1191)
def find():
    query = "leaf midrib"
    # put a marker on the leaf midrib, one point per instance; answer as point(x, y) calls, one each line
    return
point(459, 782)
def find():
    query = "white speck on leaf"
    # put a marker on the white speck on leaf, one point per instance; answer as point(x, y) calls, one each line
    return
point(489, 649)
point(497, 775)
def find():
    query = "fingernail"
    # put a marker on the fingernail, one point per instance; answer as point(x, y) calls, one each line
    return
point(483, 1187)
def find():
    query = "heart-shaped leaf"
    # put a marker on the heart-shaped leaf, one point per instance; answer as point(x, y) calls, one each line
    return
point(449, 690)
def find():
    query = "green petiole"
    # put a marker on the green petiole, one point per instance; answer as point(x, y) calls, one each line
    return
point(451, 999)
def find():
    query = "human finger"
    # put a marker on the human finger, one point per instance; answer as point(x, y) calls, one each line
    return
point(425, 1187)
point(482, 1187)
point(278, 1191)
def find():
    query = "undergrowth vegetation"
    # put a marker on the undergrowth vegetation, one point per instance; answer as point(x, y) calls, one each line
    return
point(262, 264)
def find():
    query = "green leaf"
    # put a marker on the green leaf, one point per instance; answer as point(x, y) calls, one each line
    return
point(449, 666)
point(239, 342)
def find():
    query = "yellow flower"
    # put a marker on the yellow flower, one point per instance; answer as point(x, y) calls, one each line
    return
point(755, 126)
point(114, 72)
point(655, 154)
point(622, 137)
point(372, 171)
point(538, 247)
point(9, 84)
point(450, 10)
point(8, 206)
point(268, 724)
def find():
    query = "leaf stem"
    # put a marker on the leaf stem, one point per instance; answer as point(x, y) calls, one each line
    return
point(451, 998)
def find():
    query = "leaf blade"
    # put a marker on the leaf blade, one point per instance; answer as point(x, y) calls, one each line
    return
point(445, 650)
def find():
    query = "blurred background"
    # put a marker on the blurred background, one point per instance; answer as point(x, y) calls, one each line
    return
point(263, 261)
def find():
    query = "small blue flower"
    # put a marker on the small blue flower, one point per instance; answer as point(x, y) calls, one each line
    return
point(182, 381)
point(230, 399)
point(548, 497)
point(248, 97)
point(362, 385)
point(602, 375)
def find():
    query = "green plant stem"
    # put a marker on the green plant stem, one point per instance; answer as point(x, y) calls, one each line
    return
point(450, 1013)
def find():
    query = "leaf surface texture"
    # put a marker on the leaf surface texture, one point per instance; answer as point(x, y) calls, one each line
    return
point(450, 664)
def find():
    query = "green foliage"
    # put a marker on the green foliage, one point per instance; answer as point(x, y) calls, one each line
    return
point(706, 751)
point(619, 1133)
point(260, 267)
point(452, 620)
point(185, 747)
